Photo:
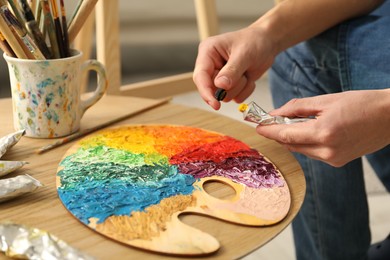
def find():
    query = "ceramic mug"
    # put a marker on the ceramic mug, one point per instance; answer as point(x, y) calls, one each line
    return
point(46, 93)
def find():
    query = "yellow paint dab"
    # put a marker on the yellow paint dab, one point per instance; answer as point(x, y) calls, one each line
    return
point(242, 107)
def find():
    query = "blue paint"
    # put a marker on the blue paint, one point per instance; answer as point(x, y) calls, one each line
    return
point(56, 118)
point(102, 189)
point(49, 99)
point(50, 114)
point(34, 99)
point(45, 83)
point(45, 64)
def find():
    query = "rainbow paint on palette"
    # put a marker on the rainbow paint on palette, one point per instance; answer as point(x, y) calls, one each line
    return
point(130, 182)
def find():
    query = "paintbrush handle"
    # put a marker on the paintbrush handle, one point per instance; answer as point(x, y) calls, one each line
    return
point(65, 140)
point(75, 12)
point(60, 41)
point(57, 26)
point(16, 11)
point(21, 31)
point(82, 15)
point(6, 47)
point(33, 29)
point(49, 24)
point(64, 29)
point(12, 39)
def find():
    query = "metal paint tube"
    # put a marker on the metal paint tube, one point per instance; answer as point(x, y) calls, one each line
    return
point(19, 241)
point(10, 140)
point(10, 166)
point(254, 113)
point(13, 187)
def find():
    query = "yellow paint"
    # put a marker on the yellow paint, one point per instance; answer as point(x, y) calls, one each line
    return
point(164, 140)
point(145, 224)
point(136, 140)
point(242, 107)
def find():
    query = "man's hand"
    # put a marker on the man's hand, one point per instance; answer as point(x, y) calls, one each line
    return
point(347, 125)
point(231, 61)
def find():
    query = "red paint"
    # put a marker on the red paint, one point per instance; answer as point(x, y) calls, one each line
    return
point(215, 152)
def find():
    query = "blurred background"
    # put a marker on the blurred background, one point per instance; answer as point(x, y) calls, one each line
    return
point(160, 38)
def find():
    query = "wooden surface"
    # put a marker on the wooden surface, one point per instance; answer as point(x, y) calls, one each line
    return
point(172, 85)
point(43, 209)
point(158, 228)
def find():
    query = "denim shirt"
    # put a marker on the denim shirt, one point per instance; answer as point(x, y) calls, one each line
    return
point(359, 49)
point(383, 10)
point(364, 49)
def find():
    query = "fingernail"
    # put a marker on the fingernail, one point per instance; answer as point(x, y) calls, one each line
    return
point(211, 104)
point(223, 80)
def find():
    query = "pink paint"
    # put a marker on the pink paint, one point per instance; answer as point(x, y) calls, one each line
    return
point(266, 204)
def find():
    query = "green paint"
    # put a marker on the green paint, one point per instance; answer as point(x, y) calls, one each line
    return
point(102, 153)
point(30, 112)
point(16, 72)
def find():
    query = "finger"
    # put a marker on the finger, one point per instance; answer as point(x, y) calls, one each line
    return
point(320, 153)
point(292, 134)
point(311, 151)
point(302, 107)
point(231, 74)
point(236, 90)
point(246, 92)
point(207, 65)
point(204, 83)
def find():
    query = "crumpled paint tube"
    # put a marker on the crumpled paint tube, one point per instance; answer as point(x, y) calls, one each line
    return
point(10, 140)
point(255, 114)
point(19, 241)
point(10, 166)
point(13, 187)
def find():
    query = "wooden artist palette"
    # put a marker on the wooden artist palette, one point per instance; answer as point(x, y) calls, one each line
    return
point(131, 183)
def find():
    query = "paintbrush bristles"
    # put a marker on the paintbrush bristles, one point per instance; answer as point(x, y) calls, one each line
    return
point(19, 42)
point(12, 39)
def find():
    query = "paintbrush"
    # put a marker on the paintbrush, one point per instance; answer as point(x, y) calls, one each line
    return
point(16, 10)
point(6, 47)
point(80, 18)
point(95, 128)
point(33, 28)
point(21, 31)
point(11, 37)
point(75, 12)
point(58, 29)
point(49, 25)
point(64, 29)
point(33, 4)
point(38, 16)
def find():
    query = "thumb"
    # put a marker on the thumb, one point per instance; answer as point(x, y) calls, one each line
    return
point(230, 74)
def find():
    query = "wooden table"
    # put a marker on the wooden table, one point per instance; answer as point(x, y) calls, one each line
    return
point(43, 209)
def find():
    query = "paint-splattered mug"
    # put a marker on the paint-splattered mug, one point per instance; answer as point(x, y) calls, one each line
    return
point(46, 94)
